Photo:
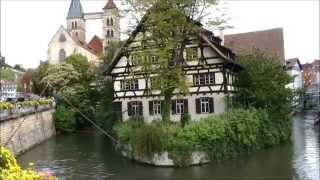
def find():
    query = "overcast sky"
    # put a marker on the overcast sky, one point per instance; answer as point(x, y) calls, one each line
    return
point(27, 26)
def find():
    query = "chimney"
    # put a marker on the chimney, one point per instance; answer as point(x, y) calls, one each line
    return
point(221, 35)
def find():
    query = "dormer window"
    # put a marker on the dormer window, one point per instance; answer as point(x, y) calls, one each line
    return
point(192, 54)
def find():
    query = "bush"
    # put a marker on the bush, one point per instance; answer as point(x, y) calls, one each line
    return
point(64, 119)
point(185, 119)
point(10, 170)
point(222, 137)
point(6, 106)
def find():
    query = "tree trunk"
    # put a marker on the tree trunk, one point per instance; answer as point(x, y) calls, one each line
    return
point(167, 107)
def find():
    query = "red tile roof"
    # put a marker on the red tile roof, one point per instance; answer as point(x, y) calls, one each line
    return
point(110, 5)
point(96, 45)
point(269, 42)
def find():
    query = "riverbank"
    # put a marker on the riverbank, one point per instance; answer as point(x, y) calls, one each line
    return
point(92, 156)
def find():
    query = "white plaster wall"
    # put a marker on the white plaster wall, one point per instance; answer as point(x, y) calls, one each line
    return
point(219, 106)
point(70, 48)
point(297, 82)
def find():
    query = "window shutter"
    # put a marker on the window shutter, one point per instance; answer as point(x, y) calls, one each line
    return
point(129, 109)
point(211, 105)
point(198, 106)
point(151, 107)
point(140, 108)
point(173, 107)
point(185, 103)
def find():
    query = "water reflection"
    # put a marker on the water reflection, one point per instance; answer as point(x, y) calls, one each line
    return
point(91, 156)
point(306, 147)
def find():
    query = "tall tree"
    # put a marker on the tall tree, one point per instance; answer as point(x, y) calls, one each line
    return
point(39, 87)
point(72, 82)
point(262, 84)
point(167, 27)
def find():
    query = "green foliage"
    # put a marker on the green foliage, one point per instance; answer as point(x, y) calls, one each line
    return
point(26, 104)
point(145, 140)
point(10, 170)
point(222, 137)
point(74, 85)
point(64, 119)
point(185, 119)
point(38, 85)
point(7, 74)
point(262, 85)
point(6, 106)
point(107, 115)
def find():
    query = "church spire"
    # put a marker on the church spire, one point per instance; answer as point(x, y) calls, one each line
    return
point(75, 10)
point(110, 5)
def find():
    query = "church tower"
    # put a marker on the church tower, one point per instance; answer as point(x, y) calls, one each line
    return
point(76, 24)
point(111, 23)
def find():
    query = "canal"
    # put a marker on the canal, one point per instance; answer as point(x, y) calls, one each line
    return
point(86, 156)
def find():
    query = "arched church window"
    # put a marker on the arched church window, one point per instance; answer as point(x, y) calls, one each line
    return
point(75, 25)
point(111, 33)
point(62, 38)
point(111, 22)
point(77, 34)
point(72, 25)
point(108, 33)
point(62, 55)
point(108, 22)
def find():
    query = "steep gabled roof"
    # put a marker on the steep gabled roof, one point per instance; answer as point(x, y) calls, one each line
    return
point(75, 10)
point(110, 5)
point(207, 36)
point(269, 42)
point(96, 44)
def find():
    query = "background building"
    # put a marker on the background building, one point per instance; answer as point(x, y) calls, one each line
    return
point(72, 39)
point(311, 80)
point(269, 42)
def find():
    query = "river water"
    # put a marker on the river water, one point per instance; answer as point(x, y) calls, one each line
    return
point(86, 156)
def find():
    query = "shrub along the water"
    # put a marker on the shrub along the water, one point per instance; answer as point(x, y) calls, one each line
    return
point(222, 137)
point(64, 119)
point(10, 170)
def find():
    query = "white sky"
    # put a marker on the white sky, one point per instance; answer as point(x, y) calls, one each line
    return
point(28, 25)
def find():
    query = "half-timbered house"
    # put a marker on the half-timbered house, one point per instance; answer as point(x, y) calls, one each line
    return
point(210, 69)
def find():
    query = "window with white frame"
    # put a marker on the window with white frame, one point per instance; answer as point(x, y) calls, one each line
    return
point(129, 85)
point(203, 79)
point(179, 106)
point(204, 105)
point(192, 53)
point(155, 107)
point(135, 108)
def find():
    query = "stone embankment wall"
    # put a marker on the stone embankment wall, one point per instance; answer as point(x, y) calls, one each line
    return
point(20, 131)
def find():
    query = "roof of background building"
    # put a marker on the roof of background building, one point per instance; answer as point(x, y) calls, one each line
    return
point(290, 63)
point(75, 9)
point(110, 5)
point(269, 42)
point(96, 44)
